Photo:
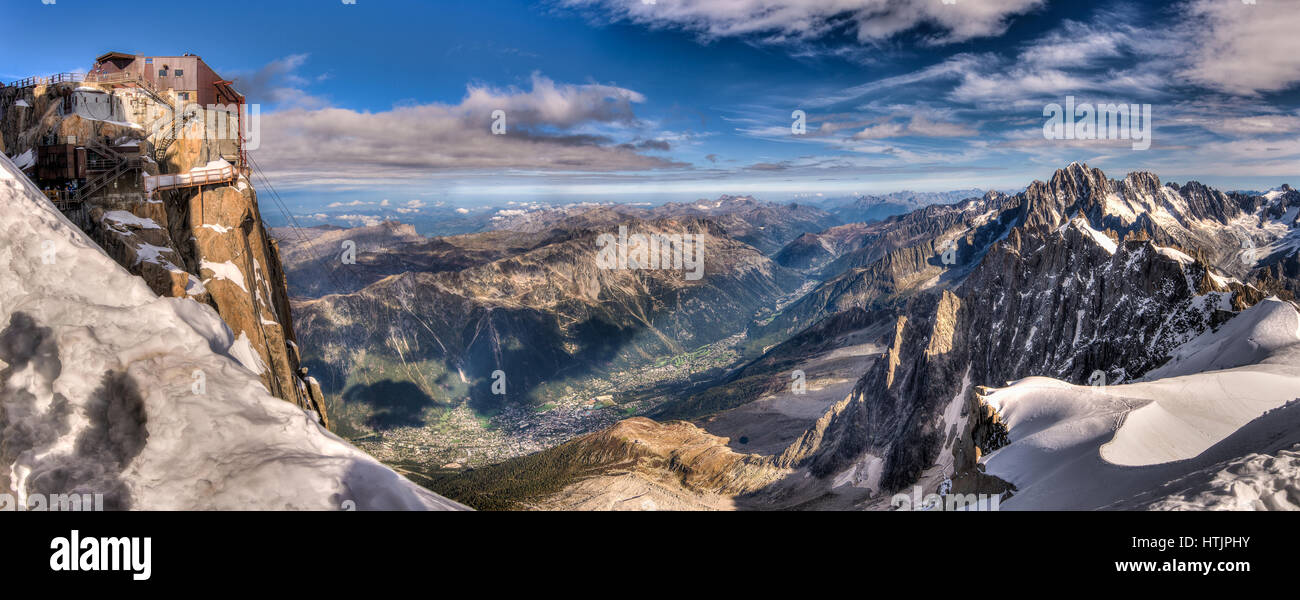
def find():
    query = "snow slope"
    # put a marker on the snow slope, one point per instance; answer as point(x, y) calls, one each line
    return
point(107, 388)
point(1196, 433)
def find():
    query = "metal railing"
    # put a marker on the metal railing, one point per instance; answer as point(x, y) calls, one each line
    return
point(104, 150)
point(191, 178)
point(50, 80)
point(171, 132)
point(102, 181)
point(129, 78)
point(60, 198)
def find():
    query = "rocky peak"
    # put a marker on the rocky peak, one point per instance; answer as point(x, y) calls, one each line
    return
point(204, 243)
point(1142, 182)
point(1072, 190)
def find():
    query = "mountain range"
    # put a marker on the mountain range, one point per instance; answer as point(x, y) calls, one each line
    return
point(1095, 284)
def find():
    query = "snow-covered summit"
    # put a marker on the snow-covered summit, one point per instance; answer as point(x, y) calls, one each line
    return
point(107, 388)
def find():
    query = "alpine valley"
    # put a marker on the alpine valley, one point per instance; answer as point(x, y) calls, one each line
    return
point(1084, 343)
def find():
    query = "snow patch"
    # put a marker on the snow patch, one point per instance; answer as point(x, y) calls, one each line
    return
point(1175, 254)
point(121, 217)
point(243, 351)
point(225, 270)
point(1102, 240)
point(149, 253)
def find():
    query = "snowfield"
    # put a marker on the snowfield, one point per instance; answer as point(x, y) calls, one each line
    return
point(1216, 427)
point(107, 388)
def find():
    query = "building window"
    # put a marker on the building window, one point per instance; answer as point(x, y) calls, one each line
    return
point(180, 72)
point(183, 95)
point(162, 72)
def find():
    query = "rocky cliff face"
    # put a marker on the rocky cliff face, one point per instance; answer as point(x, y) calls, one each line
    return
point(205, 243)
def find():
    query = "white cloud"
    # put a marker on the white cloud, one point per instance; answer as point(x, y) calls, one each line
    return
point(919, 126)
point(367, 220)
point(1243, 48)
point(409, 143)
point(278, 83)
point(789, 20)
point(348, 204)
point(880, 131)
point(550, 104)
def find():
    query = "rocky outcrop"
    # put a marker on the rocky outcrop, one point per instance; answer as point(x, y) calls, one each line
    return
point(638, 464)
point(988, 432)
point(677, 449)
point(205, 243)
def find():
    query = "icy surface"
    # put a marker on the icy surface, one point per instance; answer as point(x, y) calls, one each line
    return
point(1102, 239)
point(1225, 397)
point(107, 388)
point(242, 351)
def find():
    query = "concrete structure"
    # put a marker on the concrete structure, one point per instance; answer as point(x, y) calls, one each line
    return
point(95, 104)
point(192, 79)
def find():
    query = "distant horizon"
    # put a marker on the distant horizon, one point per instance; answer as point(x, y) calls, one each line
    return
point(357, 212)
point(308, 202)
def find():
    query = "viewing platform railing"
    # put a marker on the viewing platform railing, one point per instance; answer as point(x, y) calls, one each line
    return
point(50, 80)
point(192, 178)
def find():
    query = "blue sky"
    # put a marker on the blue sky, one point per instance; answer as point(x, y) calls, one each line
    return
point(632, 100)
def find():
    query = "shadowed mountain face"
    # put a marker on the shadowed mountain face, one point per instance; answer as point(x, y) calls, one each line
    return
point(1081, 278)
